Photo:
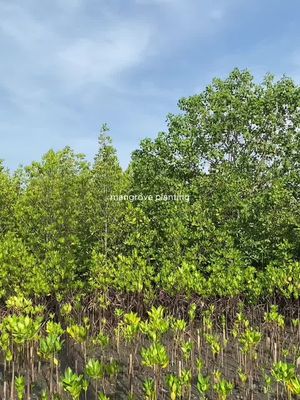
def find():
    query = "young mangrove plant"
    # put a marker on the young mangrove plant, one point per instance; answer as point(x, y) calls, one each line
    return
point(174, 385)
point(155, 357)
point(203, 386)
point(222, 386)
point(95, 370)
point(74, 384)
point(149, 389)
point(20, 387)
point(285, 373)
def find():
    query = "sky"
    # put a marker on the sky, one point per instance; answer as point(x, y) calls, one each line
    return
point(68, 66)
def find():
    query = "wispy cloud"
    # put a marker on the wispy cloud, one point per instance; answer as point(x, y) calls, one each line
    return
point(18, 25)
point(105, 57)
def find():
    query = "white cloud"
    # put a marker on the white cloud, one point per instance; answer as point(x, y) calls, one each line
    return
point(99, 53)
point(43, 60)
point(103, 58)
point(18, 25)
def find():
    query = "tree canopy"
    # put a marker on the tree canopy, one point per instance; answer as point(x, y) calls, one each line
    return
point(231, 153)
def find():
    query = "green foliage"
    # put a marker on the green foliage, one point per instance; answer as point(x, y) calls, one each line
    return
point(130, 326)
point(231, 147)
point(78, 332)
point(113, 368)
point(174, 386)
point(9, 191)
point(71, 227)
point(104, 213)
point(49, 214)
point(22, 328)
point(102, 339)
point(250, 339)
point(73, 383)
point(102, 396)
point(274, 317)
point(203, 385)
point(51, 345)
point(157, 324)
point(155, 356)
point(94, 369)
point(223, 387)
point(19, 272)
point(149, 389)
point(294, 385)
point(76, 238)
point(214, 344)
point(20, 387)
point(283, 280)
point(283, 372)
point(186, 349)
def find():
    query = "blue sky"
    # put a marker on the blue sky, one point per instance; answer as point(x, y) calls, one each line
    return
point(67, 66)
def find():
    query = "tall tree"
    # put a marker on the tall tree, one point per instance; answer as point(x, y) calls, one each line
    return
point(104, 210)
point(233, 149)
point(49, 212)
point(9, 188)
